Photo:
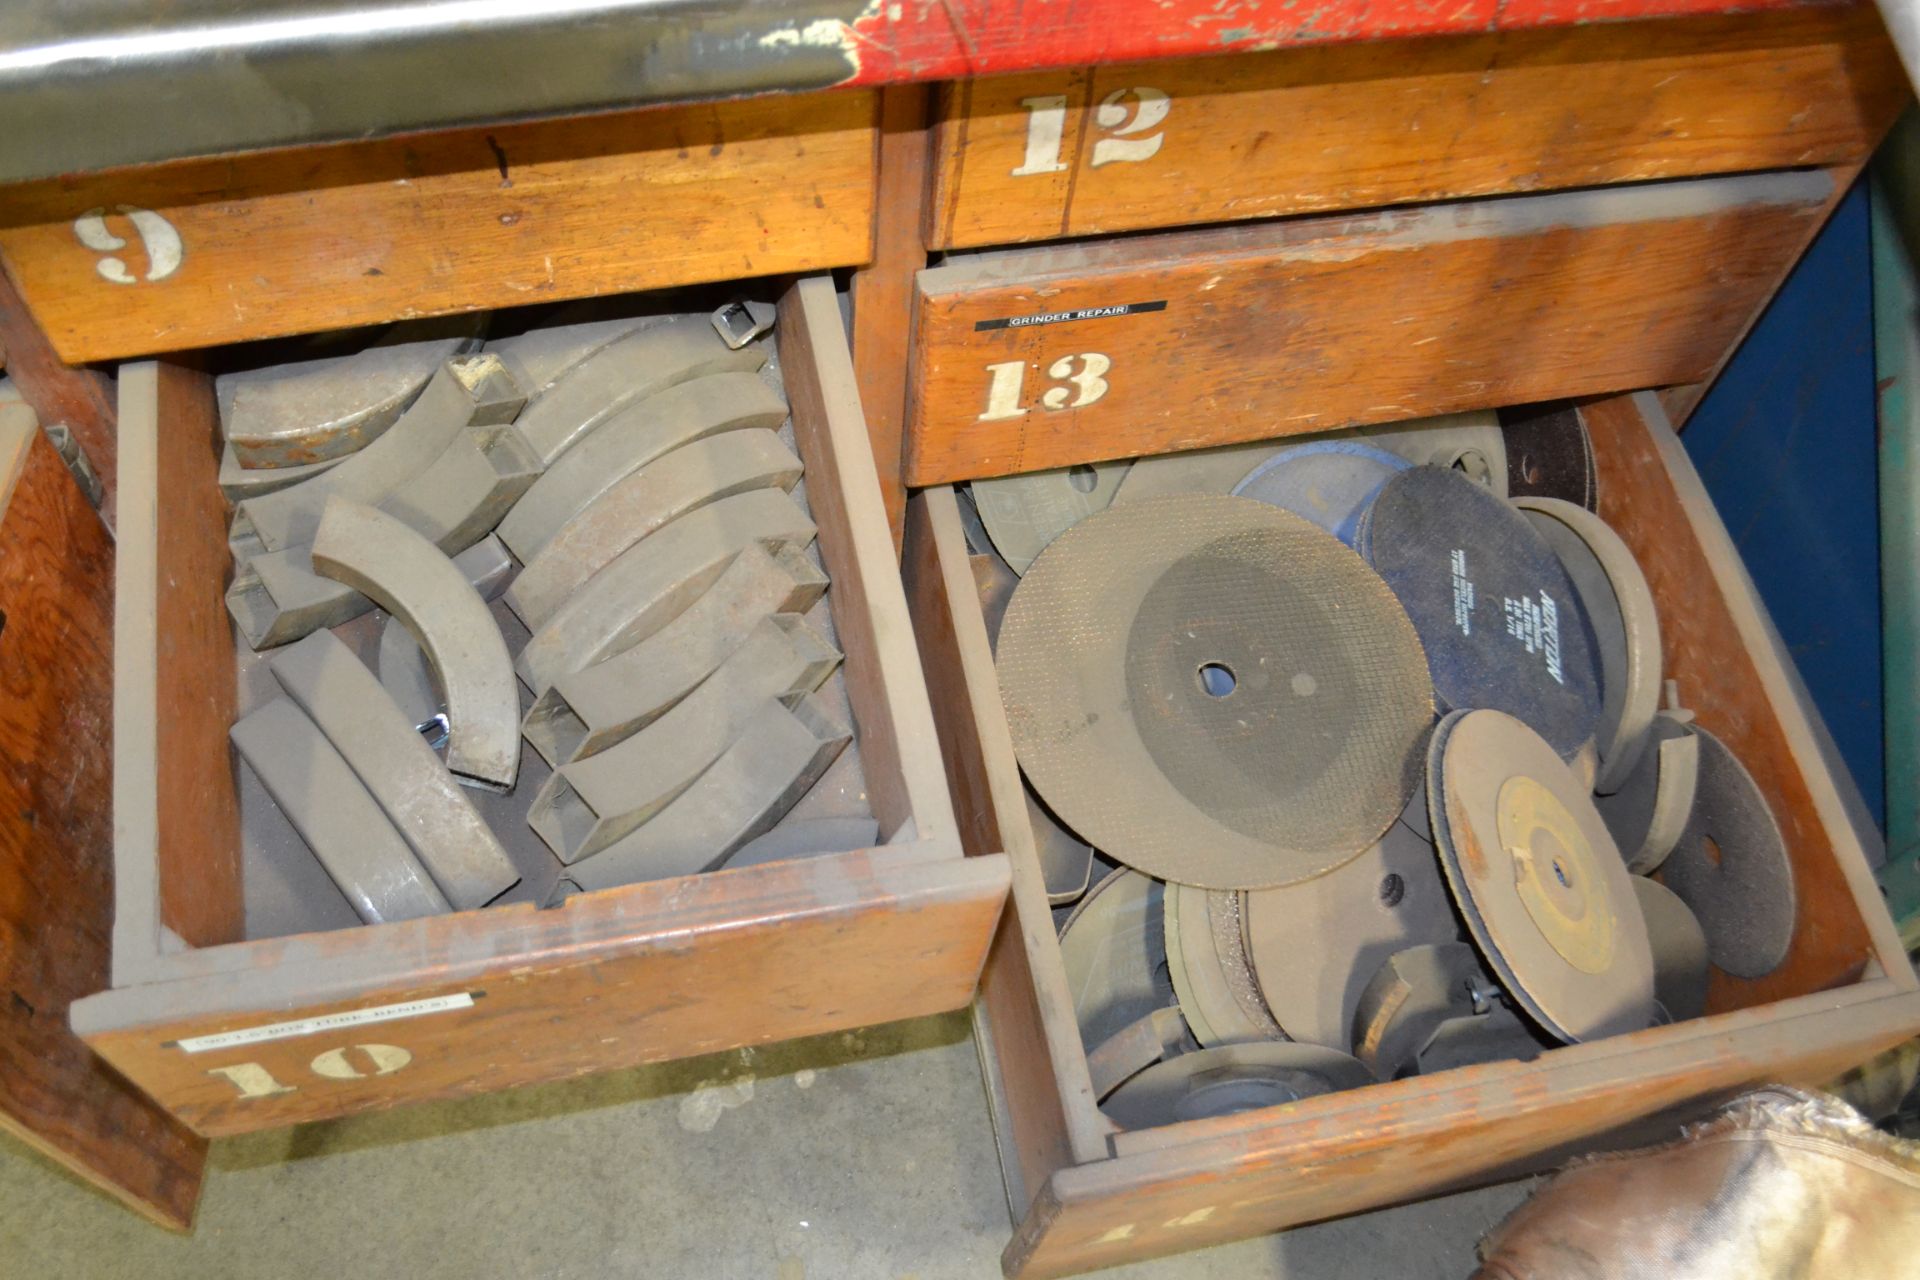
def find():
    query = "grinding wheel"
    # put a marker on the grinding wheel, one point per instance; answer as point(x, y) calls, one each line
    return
point(1113, 946)
point(1415, 995)
point(1214, 691)
point(1613, 592)
point(1229, 1080)
point(1024, 513)
point(1679, 951)
point(1498, 1035)
point(1497, 613)
point(1315, 944)
point(1329, 482)
point(1214, 471)
point(1731, 868)
point(1550, 455)
point(1470, 444)
point(1649, 812)
point(1207, 959)
point(1539, 881)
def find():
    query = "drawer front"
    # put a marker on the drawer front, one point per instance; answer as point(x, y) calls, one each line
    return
point(1128, 148)
point(1045, 357)
point(326, 1025)
point(201, 252)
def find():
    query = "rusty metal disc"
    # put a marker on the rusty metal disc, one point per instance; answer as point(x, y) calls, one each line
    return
point(1231, 1079)
point(1214, 691)
point(1315, 944)
point(1538, 879)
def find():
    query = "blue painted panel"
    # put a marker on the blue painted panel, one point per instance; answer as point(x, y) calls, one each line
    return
point(1785, 442)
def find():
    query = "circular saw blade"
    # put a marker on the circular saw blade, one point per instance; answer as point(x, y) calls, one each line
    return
point(1497, 613)
point(1214, 691)
point(1538, 879)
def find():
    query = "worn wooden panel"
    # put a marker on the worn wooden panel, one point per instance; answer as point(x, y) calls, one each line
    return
point(1304, 325)
point(649, 972)
point(324, 237)
point(1342, 1153)
point(1146, 145)
point(56, 839)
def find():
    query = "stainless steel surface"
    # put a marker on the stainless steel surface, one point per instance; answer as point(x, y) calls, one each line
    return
point(90, 84)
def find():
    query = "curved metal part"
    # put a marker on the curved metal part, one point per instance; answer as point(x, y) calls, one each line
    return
point(1023, 513)
point(238, 483)
point(590, 803)
point(632, 366)
point(806, 838)
point(1626, 624)
point(276, 597)
point(397, 767)
point(691, 477)
point(742, 320)
point(1206, 956)
point(1649, 812)
point(1679, 950)
point(776, 760)
point(380, 557)
point(464, 493)
point(654, 580)
point(314, 787)
point(468, 392)
point(588, 711)
point(403, 667)
point(321, 410)
point(1157, 1037)
point(631, 439)
point(1412, 993)
point(1230, 1079)
point(539, 358)
point(1066, 861)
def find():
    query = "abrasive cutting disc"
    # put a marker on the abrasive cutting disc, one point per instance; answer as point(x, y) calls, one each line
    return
point(1538, 879)
point(1231, 1079)
point(1502, 626)
point(1315, 944)
point(1113, 946)
point(1330, 482)
point(1024, 513)
point(1626, 629)
point(1214, 691)
point(1731, 868)
point(1550, 455)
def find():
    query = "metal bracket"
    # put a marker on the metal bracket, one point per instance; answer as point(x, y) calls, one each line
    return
point(739, 323)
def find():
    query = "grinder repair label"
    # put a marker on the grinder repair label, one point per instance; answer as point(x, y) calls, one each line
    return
point(326, 1022)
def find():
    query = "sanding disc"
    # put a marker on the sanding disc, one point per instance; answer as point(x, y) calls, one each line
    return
point(1649, 812)
point(1229, 1080)
point(1497, 613)
point(1626, 629)
point(1550, 455)
point(1731, 868)
point(1329, 482)
point(1207, 959)
point(1024, 513)
point(1113, 946)
point(1315, 944)
point(1679, 950)
point(1214, 691)
point(1538, 879)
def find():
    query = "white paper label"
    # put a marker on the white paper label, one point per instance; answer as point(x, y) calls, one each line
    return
point(329, 1022)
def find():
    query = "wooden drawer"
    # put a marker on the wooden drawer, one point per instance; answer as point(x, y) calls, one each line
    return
point(1845, 991)
point(1044, 155)
point(323, 1024)
point(1032, 358)
point(201, 252)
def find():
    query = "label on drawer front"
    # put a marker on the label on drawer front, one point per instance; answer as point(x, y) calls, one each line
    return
point(326, 1022)
point(1068, 317)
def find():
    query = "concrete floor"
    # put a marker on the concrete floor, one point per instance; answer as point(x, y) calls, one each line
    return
point(845, 1157)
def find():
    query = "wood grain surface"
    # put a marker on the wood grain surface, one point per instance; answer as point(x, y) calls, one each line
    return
point(1305, 325)
point(1395, 122)
point(83, 399)
point(56, 841)
point(331, 236)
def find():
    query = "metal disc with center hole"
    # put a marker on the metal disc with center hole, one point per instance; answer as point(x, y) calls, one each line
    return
point(1731, 868)
point(1649, 812)
point(1626, 629)
point(1497, 613)
point(1214, 470)
point(1329, 482)
point(1214, 691)
point(1538, 879)
point(1470, 444)
point(1113, 946)
point(1230, 1079)
point(1207, 959)
point(1315, 944)
point(1679, 950)
point(1024, 513)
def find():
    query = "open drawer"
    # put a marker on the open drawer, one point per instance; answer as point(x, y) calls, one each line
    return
point(1085, 1198)
point(230, 1035)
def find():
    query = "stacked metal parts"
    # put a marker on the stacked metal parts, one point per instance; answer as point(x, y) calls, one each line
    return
point(1347, 761)
point(592, 538)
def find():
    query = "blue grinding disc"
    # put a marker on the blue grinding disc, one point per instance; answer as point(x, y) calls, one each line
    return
point(1329, 482)
point(1493, 606)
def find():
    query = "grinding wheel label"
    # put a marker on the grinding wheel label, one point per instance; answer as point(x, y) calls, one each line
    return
point(1536, 625)
point(1462, 592)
